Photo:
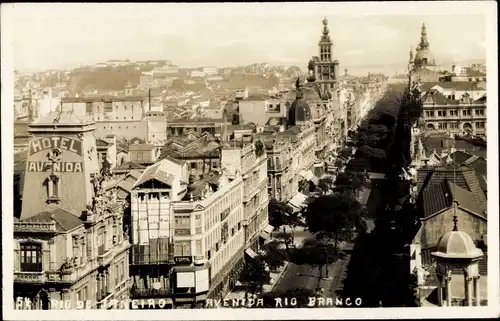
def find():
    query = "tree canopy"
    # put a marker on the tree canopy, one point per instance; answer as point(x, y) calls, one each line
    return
point(255, 275)
point(273, 255)
point(333, 216)
point(278, 213)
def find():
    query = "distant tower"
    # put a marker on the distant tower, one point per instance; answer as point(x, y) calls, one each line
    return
point(325, 43)
point(423, 56)
point(326, 70)
point(424, 43)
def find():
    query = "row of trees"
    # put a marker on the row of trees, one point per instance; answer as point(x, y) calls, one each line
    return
point(375, 272)
point(333, 214)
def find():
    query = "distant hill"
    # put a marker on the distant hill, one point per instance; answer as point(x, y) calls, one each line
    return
point(103, 78)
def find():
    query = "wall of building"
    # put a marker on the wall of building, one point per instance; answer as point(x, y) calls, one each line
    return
point(122, 129)
point(434, 227)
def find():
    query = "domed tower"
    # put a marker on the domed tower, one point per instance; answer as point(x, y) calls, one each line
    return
point(456, 250)
point(323, 68)
point(424, 57)
point(299, 111)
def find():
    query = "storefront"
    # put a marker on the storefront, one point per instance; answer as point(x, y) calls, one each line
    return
point(222, 283)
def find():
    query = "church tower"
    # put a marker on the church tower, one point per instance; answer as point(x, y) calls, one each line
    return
point(325, 44)
point(424, 57)
point(324, 69)
point(62, 159)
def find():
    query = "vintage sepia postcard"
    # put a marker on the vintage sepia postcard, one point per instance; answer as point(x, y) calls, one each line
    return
point(228, 161)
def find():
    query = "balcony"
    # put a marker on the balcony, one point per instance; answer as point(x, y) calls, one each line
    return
point(105, 258)
point(137, 293)
point(29, 277)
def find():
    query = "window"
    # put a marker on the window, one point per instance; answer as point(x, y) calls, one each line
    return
point(441, 113)
point(453, 113)
point(31, 257)
point(453, 125)
point(442, 125)
point(101, 241)
point(466, 112)
point(193, 165)
point(479, 112)
point(88, 108)
point(108, 107)
point(480, 125)
point(182, 248)
point(81, 296)
point(198, 248)
point(429, 113)
point(53, 187)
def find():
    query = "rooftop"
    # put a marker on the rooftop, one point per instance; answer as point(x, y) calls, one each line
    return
point(65, 220)
point(437, 197)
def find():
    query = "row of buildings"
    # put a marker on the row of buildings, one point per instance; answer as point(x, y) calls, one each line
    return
point(448, 243)
point(107, 213)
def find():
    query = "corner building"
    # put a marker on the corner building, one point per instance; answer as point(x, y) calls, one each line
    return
point(69, 243)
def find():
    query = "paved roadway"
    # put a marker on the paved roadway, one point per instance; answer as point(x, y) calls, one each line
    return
point(304, 276)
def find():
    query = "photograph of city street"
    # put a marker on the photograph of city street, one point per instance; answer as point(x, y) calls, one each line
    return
point(212, 161)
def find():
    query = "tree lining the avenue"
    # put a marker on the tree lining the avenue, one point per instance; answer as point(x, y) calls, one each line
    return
point(334, 215)
point(376, 271)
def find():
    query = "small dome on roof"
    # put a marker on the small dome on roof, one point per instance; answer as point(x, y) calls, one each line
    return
point(299, 111)
point(425, 55)
point(457, 244)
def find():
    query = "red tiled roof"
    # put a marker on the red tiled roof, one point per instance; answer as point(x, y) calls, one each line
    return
point(437, 197)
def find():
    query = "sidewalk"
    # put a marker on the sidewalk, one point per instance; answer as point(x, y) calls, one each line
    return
point(275, 276)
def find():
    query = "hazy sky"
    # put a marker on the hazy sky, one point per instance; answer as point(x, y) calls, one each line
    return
point(51, 36)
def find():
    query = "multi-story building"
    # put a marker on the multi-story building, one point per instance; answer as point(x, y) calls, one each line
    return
point(197, 74)
point(201, 153)
point(250, 160)
point(69, 243)
point(318, 108)
point(210, 71)
point(216, 127)
point(455, 109)
point(123, 129)
point(157, 125)
point(106, 108)
point(146, 80)
point(261, 110)
point(292, 151)
point(189, 236)
point(282, 181)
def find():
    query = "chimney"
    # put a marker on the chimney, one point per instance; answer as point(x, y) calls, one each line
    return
point(149, 96)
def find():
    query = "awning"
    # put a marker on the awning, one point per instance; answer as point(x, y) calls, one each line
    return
point(309, 175)
point(269, 229)
point(298, 201)
point(266, 236)
point(251, 253)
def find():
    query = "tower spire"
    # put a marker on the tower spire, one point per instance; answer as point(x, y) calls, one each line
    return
point(424, 43)
point(325, 27)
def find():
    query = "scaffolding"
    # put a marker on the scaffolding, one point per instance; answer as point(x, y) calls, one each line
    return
point(152, 228)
